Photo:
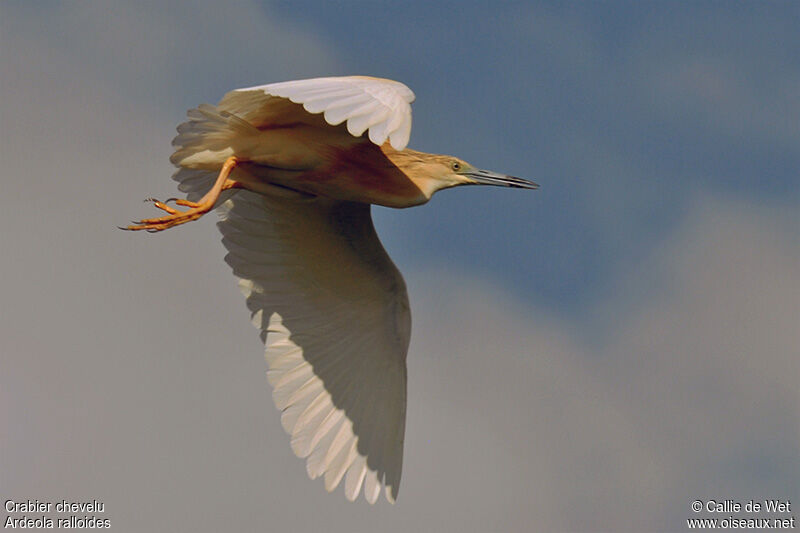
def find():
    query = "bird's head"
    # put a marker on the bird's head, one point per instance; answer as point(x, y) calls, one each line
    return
point(431, 173)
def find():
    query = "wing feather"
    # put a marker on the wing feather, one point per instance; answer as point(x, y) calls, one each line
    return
point(355, 477)
point(380, 105)
point(340, 465)
point(372, 486)
point(333, 313)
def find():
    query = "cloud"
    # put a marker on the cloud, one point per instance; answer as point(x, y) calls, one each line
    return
point(686, 387)
point(149, 50)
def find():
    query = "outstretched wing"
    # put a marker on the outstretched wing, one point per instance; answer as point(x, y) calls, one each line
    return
point(381, 106)
point(333, 312)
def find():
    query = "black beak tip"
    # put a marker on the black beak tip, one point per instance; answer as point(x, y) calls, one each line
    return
point(522, 183)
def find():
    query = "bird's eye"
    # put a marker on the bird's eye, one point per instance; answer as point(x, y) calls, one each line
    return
point(456, 166)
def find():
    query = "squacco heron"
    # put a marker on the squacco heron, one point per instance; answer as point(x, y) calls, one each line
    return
point(294, 167)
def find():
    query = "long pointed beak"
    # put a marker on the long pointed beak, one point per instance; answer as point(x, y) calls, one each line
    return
point(487, 177)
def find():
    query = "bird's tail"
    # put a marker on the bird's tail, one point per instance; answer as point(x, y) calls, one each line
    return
point(209, 137)
point(202, 145)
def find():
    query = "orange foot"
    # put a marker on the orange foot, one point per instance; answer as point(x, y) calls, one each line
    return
point(196, 209)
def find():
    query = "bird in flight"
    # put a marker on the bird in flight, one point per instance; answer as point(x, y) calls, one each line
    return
point(293, 168)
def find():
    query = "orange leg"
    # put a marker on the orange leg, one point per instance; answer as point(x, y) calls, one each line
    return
point(196, 209)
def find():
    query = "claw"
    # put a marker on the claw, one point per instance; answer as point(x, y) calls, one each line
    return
point(176, 217)
point(161, 205)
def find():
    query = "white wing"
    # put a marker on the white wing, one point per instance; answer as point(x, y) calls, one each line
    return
point(382, 106)
point(334, 316)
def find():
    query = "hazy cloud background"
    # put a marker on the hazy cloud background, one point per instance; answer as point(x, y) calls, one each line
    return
point(592, 356)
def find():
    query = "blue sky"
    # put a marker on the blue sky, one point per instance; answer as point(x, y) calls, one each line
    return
point(625, 337)
point(623, 112)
